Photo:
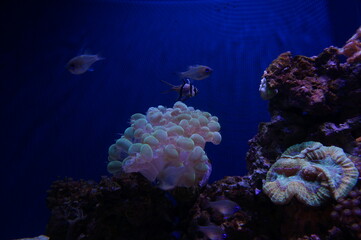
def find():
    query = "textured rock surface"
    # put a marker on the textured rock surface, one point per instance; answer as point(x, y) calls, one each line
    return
point(128, 207)
point(318, 99)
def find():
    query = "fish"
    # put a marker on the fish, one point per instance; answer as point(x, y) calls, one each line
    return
point(225, 206)
point(41, 237)
point(185, 90)
point(213, 232)
point(196, 72)
point(82, 63)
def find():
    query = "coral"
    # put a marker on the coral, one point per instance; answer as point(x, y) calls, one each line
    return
point(301, 83)
point(347, 213)
point(117, 208)
point(318, 104)
point(167, 145)
point(312, 173)
point(265, 91)
point(248, 222)
point(318, 99)
point(352, 48)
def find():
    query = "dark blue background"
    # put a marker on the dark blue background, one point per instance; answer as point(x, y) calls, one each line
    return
point(55, 124)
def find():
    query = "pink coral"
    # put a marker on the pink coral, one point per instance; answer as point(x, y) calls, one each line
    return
point(167, 145)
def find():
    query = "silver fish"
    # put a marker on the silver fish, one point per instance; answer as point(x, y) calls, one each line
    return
point(81, 64)
point(41, 237)
point(225, 206)
point(213, 232)
point(197, 72)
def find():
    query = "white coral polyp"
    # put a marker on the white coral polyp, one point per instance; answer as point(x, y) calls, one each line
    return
point(167, 145)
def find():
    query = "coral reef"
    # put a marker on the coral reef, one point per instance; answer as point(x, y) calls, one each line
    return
point(312, 173)
point(347, 213)
point(265, 91)
point(352, 48)
point(311, 144)
point(318, 99)
point(167, 145)
point(127, 207)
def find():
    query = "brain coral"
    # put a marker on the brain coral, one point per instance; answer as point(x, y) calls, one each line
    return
point(311, 172)
point(166, 145)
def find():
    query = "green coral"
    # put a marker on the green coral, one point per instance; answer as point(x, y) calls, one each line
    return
point(312, 173)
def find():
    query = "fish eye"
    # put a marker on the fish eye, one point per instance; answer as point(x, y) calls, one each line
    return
point(207, 70)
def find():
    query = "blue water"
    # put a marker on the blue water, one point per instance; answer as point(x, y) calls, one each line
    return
point(55, 124)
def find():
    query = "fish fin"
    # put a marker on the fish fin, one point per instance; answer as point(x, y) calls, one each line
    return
point(100, 57)
point(168, 83)
point(83, 49)
point(87, 52)
point(194, 66)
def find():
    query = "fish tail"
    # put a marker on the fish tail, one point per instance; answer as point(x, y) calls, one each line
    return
point(99, 57)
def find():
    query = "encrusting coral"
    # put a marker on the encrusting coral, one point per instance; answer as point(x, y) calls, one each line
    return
point(312, 173)
point(167, 145)
point(265, 91)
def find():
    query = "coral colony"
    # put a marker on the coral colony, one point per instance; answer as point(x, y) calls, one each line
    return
point(312, 173)
point(167, 145)
point(303, 166)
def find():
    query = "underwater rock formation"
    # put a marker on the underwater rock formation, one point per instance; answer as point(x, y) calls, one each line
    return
point(127, 207)
point(318, 99)
point(352, 48)
point(313, 138)
point(166, 145)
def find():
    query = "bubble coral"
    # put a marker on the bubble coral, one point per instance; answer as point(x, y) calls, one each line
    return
point(167, 145)
point(312, 173)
